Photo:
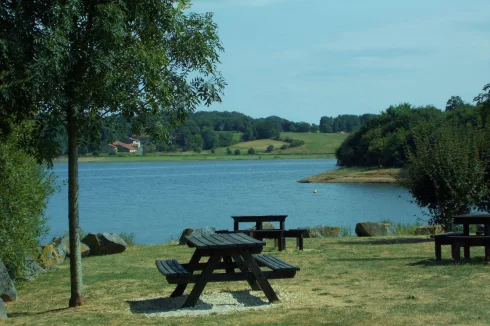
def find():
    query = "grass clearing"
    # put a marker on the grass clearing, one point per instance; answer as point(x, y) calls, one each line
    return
point(343, 281)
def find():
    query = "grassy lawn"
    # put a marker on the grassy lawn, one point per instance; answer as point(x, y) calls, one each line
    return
point(315, 142)
point(343, 281)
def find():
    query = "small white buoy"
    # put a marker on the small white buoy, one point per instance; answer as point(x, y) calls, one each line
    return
point(314, 191)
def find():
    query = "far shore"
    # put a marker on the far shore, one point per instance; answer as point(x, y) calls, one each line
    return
point(193, 157)
point(356, 175)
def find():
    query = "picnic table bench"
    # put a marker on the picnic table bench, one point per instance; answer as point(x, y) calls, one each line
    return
point(226, 252)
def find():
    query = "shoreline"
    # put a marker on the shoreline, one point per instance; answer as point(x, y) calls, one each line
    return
point(193, 157)
point(356, 175)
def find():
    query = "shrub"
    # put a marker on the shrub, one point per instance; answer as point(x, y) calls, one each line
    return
point(128, 238)
point(228, 151)
point(237, 151)
point(251, 151)
point(24, 189)
point(270, 148)
point(284, 146)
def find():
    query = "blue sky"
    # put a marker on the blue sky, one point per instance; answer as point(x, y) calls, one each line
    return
point(304, 59)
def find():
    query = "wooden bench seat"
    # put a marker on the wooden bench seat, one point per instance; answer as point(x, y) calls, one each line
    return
point(172, 270)
point(466, 241)
point(443, 239)
point(274, 263)
point(278, 235)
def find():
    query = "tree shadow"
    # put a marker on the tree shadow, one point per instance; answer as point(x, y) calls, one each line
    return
point(163, 304)
point(23, 314)
point(385, 241)
point(374, 258)
point(450, 262)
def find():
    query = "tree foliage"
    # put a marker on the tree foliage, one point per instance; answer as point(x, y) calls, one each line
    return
point(24, 190)
point(70, 63)
point(446, 171)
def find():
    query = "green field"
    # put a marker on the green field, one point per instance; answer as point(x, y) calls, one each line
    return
point(342, 281)
point(316, 145)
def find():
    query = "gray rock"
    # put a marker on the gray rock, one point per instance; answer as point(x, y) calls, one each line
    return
point(3, 311)
point(84, 249)
point(198, 232)
point(7, 287)
point(322, 231)
point(32, 270)
point(266, 226)
point(370, 229)
point(104, 243)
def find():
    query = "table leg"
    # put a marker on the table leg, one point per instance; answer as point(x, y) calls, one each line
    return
point(202, 281)
point(241, 265)
point(179, 290)
point(259, 276)
point(227, 260)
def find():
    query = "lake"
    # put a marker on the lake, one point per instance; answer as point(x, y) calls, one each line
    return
point(157, 200)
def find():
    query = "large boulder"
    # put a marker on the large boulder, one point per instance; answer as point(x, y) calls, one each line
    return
point(266, 226)
point(429, 230)
point(198, 232)
point(104, 243)
point(370, 229)
point(322, 231)
point(3, 311)
point(7, 287)
point(32, 270)
point(51, 255)
point(85, 250)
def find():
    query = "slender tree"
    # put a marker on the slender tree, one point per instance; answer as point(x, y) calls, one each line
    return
point(71, 62)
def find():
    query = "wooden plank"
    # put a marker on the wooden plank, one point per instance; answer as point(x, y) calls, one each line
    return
point(193, 241)
point(234, 277)
point(201, 282)
point(163, 268)
point(243, 268)
point(177, 267)
point(179, 290)
point(274, 263)
point(232, 239)
point(259, 218)
point(220, 239)
point(250, 241)
point(261, 279)
point(200, 266)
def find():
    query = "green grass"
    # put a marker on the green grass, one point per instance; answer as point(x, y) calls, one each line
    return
point(343, 281)
point(357, 175)
point(316, 146)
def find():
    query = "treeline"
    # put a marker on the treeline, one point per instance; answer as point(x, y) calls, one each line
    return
point(205, 130)
point(386, 139)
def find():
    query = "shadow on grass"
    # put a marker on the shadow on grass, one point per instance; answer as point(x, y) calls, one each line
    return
point(388, 241)
point(450, 262)
point(22, 314)
point(374, 258)
point(207, 304)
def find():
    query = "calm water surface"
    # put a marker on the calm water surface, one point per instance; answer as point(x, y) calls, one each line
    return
point(157, 200)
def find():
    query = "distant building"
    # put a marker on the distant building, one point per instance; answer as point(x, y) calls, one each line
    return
point(130, 145)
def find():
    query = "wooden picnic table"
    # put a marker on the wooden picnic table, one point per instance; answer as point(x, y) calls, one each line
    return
point(466, 240)
point(228, 252)
point(258, 220)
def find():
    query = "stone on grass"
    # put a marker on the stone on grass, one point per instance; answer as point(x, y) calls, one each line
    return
point(266, 226)
point(104, 243)
point(370, 229)
point(3, 311)
point(50, 257)
point(7, 287)
point(198, 232)
point(84, 249)
point(32, 270)
point(429, 230)
point(322, 231)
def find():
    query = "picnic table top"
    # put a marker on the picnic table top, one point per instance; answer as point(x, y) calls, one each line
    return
point(260, 218)
point(223, 241)
point(472, 219)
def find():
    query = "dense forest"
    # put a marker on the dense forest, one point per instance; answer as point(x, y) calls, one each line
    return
point(386, 139)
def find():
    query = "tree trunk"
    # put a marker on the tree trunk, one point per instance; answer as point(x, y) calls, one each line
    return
point(76, 298)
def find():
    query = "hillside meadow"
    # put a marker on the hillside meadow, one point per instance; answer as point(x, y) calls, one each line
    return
point(343, 281)
point(317, 145)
